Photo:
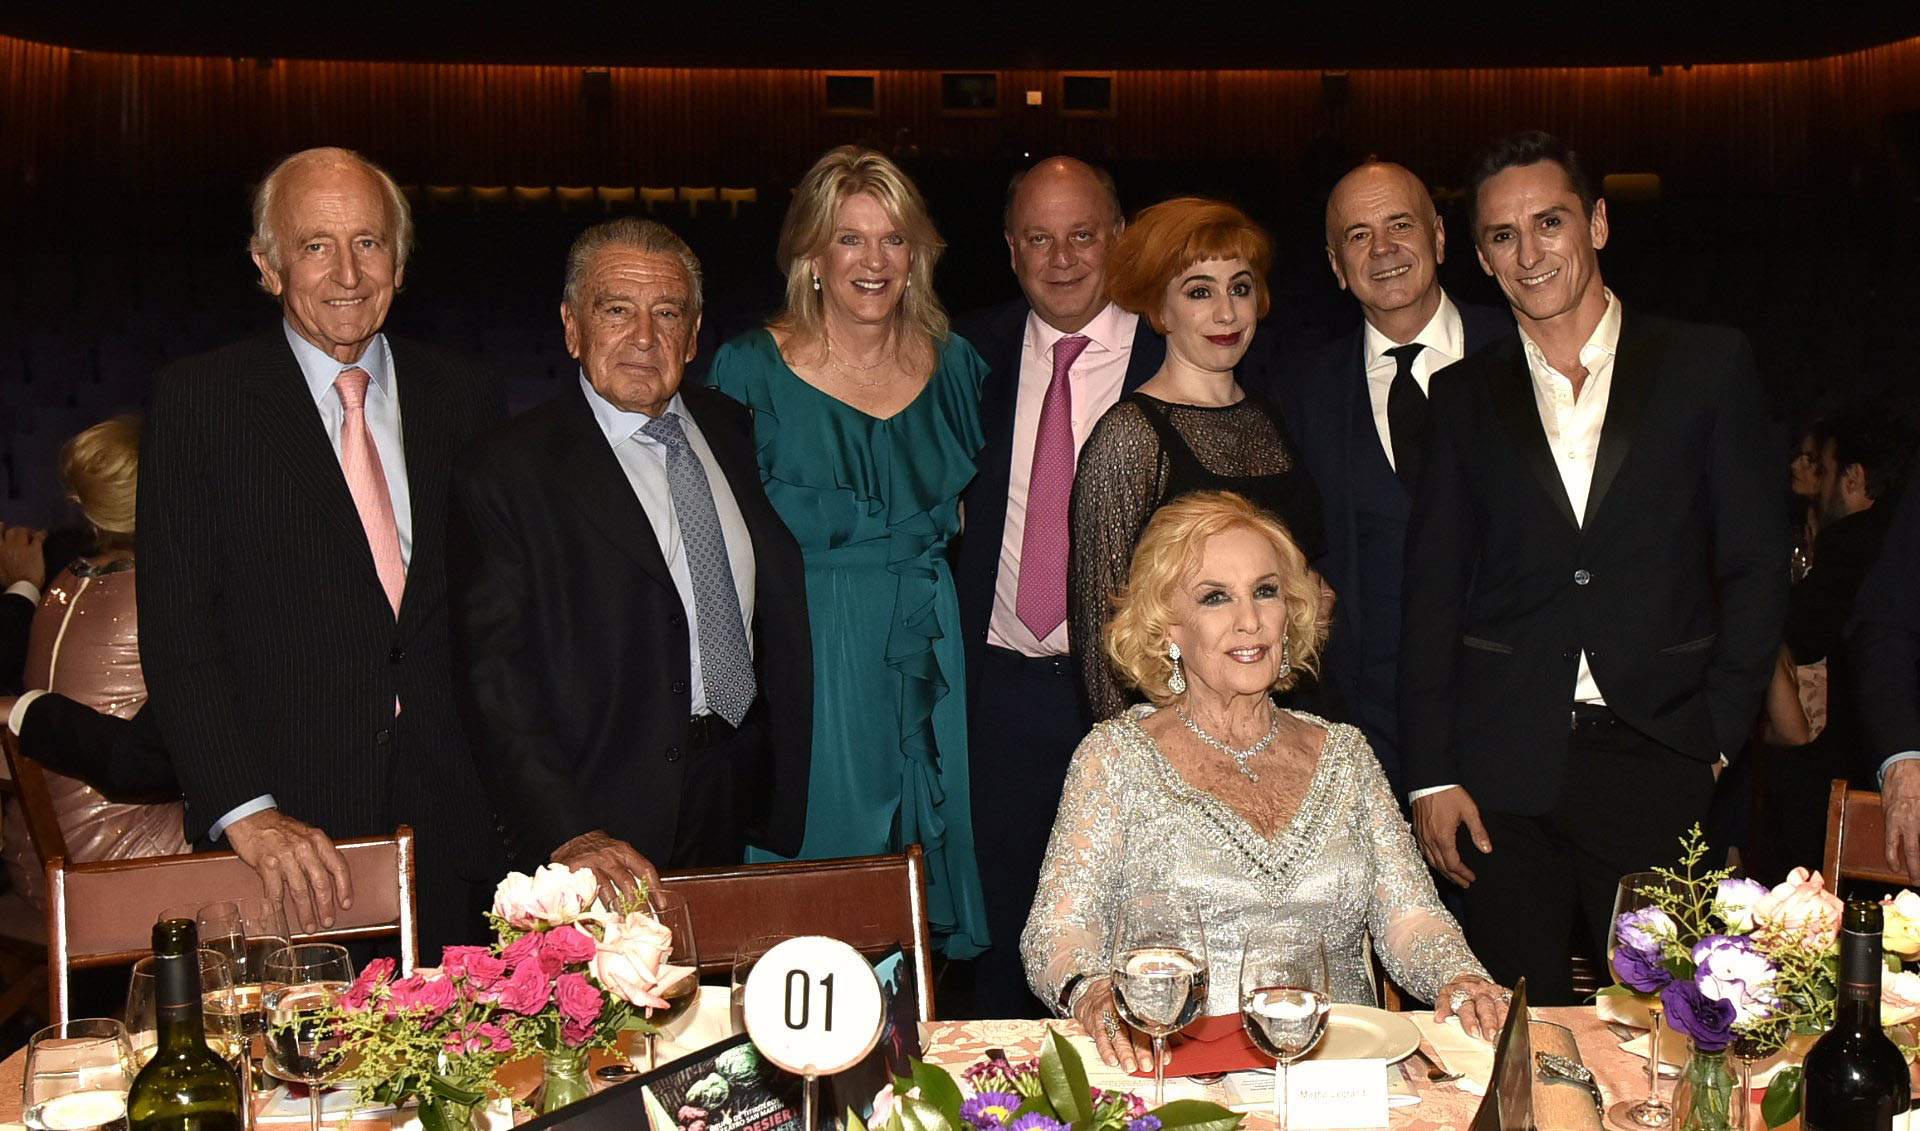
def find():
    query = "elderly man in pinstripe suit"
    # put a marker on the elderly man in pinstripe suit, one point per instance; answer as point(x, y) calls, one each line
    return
point(292, 575)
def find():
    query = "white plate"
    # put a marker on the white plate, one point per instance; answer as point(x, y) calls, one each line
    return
point(1360, 1032)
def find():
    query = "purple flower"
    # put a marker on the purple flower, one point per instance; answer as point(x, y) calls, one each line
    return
point(1639, 971)
point(990, 1110)
point(1733, 901)
point(1636, 956)
point(1034, 1121)
point(1731, 970)
point(1144, 1123)
point(1709, 1021)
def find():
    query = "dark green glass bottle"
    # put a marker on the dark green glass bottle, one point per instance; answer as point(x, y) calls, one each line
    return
point(186, 1086)
point(1855, 1078)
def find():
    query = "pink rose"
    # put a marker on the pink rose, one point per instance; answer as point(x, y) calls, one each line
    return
point(554, 894)
point(1899, 997)
point(1800, 911)
point(631, 961)
point(526, 990)
point(478, 965)
point(579, 1003)
point(360, 994)
point(568, 943)
point(434, 999)
point(521, 949)
point(401, 994)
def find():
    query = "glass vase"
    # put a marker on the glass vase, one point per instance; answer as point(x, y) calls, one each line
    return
point(439, 1114)
point(1703, 1097)
point(563, 1079)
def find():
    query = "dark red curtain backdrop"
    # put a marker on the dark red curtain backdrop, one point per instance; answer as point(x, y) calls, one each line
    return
point(132, 123)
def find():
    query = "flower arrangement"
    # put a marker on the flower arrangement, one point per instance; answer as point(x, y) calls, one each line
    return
point(565, 975)
point(1047, 1094)
point(1731, 959)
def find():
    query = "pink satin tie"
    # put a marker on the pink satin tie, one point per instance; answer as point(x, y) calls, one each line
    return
point(360, 460)
point(1041, 603)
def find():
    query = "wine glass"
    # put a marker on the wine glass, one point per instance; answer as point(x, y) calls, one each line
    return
point(750, 953)
point(221, 1013)
point(77, 1076)
point(1283, 999)
point(299, 982)
point(1650, 1112)
point(676, 916)
point(1159, 972)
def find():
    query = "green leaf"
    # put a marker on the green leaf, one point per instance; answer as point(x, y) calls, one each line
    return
point(448, 1090)
point(432, 1119)
point(1615, 990)
point(1782, 1101)
point(937, 1088)
point(919, 1115)
point(1064, 1080)
point(854, 1122)
point(1195, 1115)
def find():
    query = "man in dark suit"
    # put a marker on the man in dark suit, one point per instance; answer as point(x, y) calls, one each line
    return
point(636, 666)
point(22, 572)
point(1596, 579)
point(122, 758)
point(293, 624)
point(1057, 359)
point(1357, 409)
point(1883, 642)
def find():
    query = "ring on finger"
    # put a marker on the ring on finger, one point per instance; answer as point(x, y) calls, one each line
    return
point(1457, 998)
point(1112, 1025)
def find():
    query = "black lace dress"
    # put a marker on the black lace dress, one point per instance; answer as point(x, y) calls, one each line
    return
point(1145, 452)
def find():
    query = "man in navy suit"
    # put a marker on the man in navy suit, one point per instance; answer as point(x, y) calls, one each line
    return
point(1357, 410)
point(1058, 359)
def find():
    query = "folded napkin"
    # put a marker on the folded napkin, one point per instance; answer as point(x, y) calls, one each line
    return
point(708, 1022)
point(1103, 1076)
point(1469, 1056)
point(1210, 1046)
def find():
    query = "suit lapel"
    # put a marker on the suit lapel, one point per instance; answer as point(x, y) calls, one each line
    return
point(999, 400)
point(1510, 389)
point(428, 451)
point(1631, 386)
point(285, 414)
point(599, 488)
point(1149, 353)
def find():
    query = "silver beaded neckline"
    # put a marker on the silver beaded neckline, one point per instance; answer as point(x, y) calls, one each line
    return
point(1240, 757)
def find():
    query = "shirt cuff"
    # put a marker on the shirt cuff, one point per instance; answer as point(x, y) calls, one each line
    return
point(25, 589)
point(259, 804)
point(1880, 779)
point(1430, 791)
point(17, 717)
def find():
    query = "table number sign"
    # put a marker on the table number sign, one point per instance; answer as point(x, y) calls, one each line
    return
point(813, 1006)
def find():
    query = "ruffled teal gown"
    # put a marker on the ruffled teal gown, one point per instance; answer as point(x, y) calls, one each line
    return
point(873, 503)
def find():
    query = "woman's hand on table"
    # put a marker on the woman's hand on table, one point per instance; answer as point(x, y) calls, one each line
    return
point(1116, 1042)
point(1481, 1005)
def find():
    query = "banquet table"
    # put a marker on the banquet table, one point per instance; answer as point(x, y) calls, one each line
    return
point(956, 1044)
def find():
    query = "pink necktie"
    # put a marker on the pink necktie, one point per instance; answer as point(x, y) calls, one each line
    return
point(1041, 602)
point(368, 483)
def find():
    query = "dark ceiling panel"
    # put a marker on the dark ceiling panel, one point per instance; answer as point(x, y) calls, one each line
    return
point(986, 34)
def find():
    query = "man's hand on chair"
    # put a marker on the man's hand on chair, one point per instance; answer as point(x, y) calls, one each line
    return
point(618, 865)
point(294, 856)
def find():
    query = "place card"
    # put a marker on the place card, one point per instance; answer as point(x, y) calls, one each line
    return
point(1337, 1094)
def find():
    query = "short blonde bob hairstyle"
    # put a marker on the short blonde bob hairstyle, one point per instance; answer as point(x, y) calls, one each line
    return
point(1169, 237)
point(1168, 556)
point(843, 173)
point(101, 469)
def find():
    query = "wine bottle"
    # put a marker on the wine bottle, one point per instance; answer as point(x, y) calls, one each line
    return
point(186, 1086)
point(1855, 1079)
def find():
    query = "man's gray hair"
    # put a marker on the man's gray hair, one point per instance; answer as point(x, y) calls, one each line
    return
point(266, 199)
point(629, 231)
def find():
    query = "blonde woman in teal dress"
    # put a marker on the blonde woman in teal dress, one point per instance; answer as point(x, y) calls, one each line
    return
point(866, 418)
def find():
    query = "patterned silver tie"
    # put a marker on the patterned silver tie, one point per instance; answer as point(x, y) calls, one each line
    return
point(726, 666)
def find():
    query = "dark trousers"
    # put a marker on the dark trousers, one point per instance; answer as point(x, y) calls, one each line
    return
point(1624, 805)
point(1026, 724)
point(717, 792)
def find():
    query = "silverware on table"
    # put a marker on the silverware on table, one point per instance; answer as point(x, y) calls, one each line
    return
point(1437, 1072)
point(1557, 1069)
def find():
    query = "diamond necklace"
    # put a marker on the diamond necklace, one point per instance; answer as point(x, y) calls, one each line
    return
point(1240, 757)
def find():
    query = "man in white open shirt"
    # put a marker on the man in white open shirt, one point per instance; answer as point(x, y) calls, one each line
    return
point(1596, 581)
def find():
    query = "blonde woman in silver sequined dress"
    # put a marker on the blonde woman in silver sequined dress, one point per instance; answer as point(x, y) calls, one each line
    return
point(1252, 813)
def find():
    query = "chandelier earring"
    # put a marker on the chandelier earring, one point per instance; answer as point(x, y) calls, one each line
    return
point(1286, 658)
point(1177, 682)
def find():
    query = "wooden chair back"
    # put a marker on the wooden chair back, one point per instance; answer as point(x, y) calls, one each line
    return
point(1856, 839)
point(872, 903)
point(102, 913)
point(29, 785)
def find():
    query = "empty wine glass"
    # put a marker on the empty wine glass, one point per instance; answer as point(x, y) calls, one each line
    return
point(1159, 972)
point(1650, 1112)
point(300, 982)
point(750, 953)
point(77, 1076)
point(676, 916)
point(1283, 999)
